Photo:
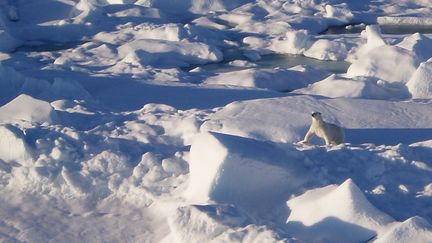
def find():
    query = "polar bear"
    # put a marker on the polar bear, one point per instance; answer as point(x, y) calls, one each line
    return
point(331, 133)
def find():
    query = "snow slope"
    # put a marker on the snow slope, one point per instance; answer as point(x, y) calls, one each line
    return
point(179, 121)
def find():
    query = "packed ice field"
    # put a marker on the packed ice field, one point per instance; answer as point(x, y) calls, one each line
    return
point(180, 121)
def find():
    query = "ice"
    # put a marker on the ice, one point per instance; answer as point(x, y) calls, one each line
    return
point(229, 174)
point(340, 11)
point(295, 42)
point(419, 44)
point(413, 229)
point(217, 223)
point(27, 108)
point(335, 213)
point(389, 63)
point(179, 121)
point(359, 87)
point(327, 50)
point(14, 148)
point(277, 79)
point(156, 53)
point(291, 116)
point(420, 84)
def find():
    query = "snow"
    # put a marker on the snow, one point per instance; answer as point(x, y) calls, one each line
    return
point(231, 175)
point(27, 108)
point(389, 63)
point(360, 87)
point(179, 121)
point(342, 209)
point(277, 79)
point(420, 84)
point(13, 145)
point(413, 229)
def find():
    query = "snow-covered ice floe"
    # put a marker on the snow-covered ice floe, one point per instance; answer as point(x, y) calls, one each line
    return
point(180, 121)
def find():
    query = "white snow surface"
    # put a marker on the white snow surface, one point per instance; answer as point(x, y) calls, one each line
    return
point(179, 121)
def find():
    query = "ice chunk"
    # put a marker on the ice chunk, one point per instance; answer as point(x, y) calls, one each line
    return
point(389, 63)
point(335, 213)
point(12, 145)
point(245, 172)
point(295, 42)
point(420, 84)
point(275, 79)
point(27, 108)
point(339, 11)
point(420, 44)
point(216, 223)
point(167, 53)
point(359, 87)
point(327, 50)
point(415, 229)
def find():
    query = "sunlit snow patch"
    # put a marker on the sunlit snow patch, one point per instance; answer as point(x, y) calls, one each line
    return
point(13, 147)
point(420, 84)
point(27, 108)
point(216, 223)
point(241, 171)
point(336, 214)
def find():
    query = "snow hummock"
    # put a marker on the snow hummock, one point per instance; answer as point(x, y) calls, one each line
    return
point(389, 63)
point(419, 44)
point(228, 173)
point(335, 213)
point(167, 53)
point(216, 223)
point(27, 108)
point(277, 79)
point(358, 87)
point(13, 147)
point(420, 84)
point(415, 229)
point(177, 121)
point(295, 42)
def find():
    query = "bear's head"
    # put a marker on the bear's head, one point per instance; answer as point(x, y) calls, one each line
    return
point(317, 115)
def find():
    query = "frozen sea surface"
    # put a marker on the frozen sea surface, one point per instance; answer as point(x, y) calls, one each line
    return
point(180, 121)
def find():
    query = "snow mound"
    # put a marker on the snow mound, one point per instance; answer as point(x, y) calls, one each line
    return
point(358, 87)
point(295, 42)
point(13, 147)
point(371, 39)
point(335, 213)
point(274, 79)
point(420, 44)
point(287, 119)
point(27, 108)
point(240, 171)
point(216, 223)
point(323, 49)
point(193, 6)
point(415, 229)
point(420, 84)
point(389, 63)
point(341, 12)
point(161, 53)
point(169, 32)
